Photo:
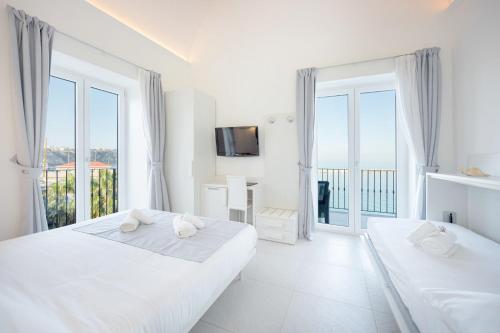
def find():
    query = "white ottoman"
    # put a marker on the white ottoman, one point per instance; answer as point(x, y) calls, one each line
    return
point(279, 225)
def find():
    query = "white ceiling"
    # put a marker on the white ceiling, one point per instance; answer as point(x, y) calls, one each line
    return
point(173, 24)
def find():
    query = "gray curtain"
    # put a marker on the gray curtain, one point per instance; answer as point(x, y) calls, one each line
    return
point(31, 57)
point(428, 73)
point(306, 89)
point(154, 121)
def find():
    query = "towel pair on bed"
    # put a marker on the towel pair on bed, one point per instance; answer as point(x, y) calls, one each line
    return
point(434, 240)
point(186, 225)
point(133, 219)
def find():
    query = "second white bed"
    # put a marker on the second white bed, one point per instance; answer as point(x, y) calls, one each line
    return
point(456, 294)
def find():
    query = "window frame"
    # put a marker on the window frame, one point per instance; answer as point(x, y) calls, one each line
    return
point(82, 126)
point(354, 88)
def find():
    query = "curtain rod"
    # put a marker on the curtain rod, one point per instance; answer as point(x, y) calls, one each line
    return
point(365, 61)
point(101, 50)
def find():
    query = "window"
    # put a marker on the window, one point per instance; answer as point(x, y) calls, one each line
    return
point(59, 160)
point(82, 152)
point(356, 152)
point(103, 151)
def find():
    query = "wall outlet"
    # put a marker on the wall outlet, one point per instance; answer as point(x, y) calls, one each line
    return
point(450, 216)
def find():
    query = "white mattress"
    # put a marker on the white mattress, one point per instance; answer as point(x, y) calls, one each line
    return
point(456, 294)
point(67, 281)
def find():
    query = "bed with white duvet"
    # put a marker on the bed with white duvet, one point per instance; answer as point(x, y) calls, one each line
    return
point(460, 293)
point(67, 281)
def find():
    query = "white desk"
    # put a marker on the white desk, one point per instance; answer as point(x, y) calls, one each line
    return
point(214, 200)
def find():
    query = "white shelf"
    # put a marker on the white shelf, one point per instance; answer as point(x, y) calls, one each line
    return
point(492, 183)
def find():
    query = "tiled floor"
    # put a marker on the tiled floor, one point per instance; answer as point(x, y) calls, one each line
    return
point(341, 218)
point(327, 285)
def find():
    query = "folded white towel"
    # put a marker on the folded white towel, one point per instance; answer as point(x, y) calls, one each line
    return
point(442, 243)
point(194, 220)
point(141, 216)
point(183, 229)
point(129, 224)
point(424, 230)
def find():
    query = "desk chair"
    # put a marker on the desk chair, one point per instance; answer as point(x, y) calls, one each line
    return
point(237, 198)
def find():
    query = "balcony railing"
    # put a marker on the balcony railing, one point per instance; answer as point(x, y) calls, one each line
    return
point(378, 189)
point(59, 194)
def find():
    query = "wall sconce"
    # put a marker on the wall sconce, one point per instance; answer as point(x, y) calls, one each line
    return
point(271, 120)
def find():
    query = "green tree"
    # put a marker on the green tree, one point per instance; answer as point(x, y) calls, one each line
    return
point(60, 195)
point(104, 195)
point(61, 209)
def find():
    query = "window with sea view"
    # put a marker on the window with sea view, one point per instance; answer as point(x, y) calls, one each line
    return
point(356, 145)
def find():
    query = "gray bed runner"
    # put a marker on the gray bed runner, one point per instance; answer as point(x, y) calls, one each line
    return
point(159, 237)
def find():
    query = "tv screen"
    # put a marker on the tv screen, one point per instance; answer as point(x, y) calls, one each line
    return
point(237, 141)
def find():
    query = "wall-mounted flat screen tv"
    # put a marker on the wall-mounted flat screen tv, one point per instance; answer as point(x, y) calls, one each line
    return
point(237, 141)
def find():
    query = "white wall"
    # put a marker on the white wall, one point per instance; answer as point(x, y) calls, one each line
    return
point(476, 71)
point(477, 78)
point(247, 53)
point(83, 21)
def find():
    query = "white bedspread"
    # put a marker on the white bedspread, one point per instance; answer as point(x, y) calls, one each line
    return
point(439, 291)
point(68, 281)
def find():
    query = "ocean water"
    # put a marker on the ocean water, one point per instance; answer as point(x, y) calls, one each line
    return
point(378, 189)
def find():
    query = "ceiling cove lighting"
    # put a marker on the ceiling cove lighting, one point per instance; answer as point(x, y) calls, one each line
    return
point(136, 29)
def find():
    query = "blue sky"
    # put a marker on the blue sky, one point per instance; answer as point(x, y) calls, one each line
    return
point(61, 116)
point(377, 130)
point(103, 119)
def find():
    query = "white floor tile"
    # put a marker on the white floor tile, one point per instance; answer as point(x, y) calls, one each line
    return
point(372, 280)
point(385, 323)
point(250, 306)
point(334, 282)
point(204, 327)
point(337, 238)
point(292, 252)
point(275, 269)
point(338, 254)
point(378, 300)
point(308, 314)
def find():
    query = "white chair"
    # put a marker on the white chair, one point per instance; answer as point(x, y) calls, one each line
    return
point(237, 198)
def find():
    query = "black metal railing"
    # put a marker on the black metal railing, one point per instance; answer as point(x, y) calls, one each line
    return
point(59, 194)
point(104, 192)
point(378, 189)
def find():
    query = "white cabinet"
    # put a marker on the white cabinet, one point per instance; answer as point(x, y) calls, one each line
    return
point(190, 151)
point(214, 202)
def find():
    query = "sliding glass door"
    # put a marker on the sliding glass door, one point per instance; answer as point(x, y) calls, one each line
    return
point(377, 177)
point(335, 158)
point(356, 154)
point(81, 177)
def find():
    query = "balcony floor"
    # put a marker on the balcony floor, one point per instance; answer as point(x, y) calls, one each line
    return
point(341, 218)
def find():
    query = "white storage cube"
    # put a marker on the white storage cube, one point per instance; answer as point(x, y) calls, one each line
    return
point(279, 225)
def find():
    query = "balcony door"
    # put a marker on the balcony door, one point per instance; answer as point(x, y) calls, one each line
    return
point(82, 165)
point(356, 153)
point(102, 153)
